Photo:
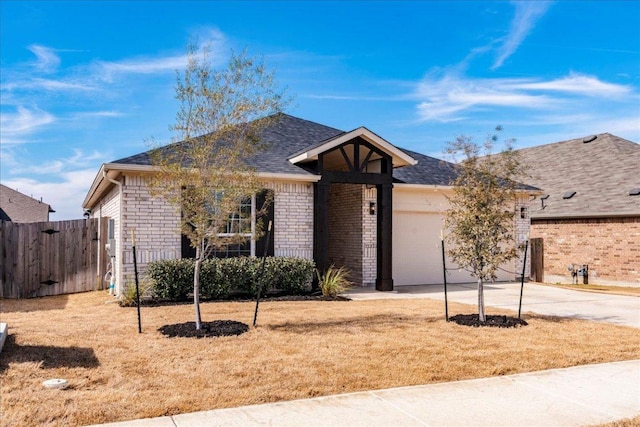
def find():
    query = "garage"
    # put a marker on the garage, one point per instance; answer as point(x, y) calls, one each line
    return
point(417, 254)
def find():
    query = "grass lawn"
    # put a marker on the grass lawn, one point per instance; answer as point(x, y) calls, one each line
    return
point(299, 350)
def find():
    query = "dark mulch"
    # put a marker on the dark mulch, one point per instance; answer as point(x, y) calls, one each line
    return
point(311, 296)
point(494, 321)
point(217, 328)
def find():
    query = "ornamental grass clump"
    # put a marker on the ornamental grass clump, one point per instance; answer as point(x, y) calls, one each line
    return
point(334, 281)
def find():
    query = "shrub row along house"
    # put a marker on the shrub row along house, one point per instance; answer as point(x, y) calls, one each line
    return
point(349, 199)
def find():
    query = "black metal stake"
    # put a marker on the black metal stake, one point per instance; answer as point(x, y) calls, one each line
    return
point(524, 266)
point(260, 279)
point(135, 271)
point(444, 275)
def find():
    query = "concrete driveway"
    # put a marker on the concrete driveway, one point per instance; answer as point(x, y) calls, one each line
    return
point(548, 300)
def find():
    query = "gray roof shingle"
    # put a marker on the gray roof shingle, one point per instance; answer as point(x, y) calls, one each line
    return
point(290, 135)
point(602, 172)
point(18, 207)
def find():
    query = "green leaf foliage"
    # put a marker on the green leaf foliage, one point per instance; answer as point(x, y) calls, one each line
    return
point(173, 279)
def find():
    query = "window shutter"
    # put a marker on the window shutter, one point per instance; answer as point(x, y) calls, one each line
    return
point(261, 198)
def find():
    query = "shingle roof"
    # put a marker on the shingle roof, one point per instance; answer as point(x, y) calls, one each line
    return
point(18, 207)
point(290, 135)
point(602, 172)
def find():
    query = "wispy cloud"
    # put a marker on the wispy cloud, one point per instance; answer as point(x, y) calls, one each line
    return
point(145, 65)
point(15, 126)
point(50, 85)
point(577, 84)
point(526, 16)
point(78, 160)
point(448, 96)
point(47, 60)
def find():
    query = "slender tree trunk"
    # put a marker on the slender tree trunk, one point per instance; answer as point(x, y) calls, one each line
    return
point(481, 301)
point(196, 288)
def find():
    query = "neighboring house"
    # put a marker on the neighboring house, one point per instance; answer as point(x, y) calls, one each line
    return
point(343, 198)
point(589, 213)
point(18, 207)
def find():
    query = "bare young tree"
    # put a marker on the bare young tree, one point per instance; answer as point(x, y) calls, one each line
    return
point(481, 214)
point(204, 173)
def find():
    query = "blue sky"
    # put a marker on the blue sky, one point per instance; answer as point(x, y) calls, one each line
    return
point(84, 83)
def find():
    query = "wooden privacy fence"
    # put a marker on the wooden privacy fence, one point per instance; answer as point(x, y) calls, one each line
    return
point(537, 260)
point(51, 258)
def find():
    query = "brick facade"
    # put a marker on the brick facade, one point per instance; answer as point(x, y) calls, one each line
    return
point(293, 219)
point(353, 231)
point(521, 234)
point(610, 246)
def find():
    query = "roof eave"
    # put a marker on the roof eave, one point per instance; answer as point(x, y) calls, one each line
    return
point(587, 215)
point(100, 185)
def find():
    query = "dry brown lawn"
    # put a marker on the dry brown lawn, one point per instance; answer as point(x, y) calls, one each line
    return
point(299, 350)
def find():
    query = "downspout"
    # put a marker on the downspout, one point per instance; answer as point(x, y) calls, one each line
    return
point(120, 228)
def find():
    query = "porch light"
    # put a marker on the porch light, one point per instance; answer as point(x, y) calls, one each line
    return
point(372, 208)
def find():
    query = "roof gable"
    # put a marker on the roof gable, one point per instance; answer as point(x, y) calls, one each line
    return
point(399, 158)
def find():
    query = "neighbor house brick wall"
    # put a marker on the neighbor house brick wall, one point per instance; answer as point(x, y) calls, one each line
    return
point(157, 227)
point(610, 246)
point(293, 219)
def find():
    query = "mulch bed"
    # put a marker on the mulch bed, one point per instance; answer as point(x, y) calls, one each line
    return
point(495, 321)
point(240, 298)
point(217, 328)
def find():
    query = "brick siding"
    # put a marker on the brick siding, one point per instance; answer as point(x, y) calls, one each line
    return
point(293, 219)
point(610, 246)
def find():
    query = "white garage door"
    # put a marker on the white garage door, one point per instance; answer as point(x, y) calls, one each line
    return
point(417, 257)
point(417, 254)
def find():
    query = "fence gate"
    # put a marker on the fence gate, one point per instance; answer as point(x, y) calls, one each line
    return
point(537, 260)
point(51, 258)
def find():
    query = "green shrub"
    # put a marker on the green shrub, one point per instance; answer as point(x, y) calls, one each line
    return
point(212, 285)
point(173, 279)
point(291, 275)
point(334, 281)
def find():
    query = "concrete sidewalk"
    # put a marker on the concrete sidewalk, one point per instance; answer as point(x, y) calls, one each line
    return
point(547, 300)
point(578, 396)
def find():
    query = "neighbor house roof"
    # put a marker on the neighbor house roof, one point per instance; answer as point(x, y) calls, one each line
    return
point(18, 207)
point(290, 137)
point(601, 169)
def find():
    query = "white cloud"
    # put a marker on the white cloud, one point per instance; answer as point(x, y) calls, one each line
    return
point(14, 127)
point(64, 196)
point(145, 65)
point(50, 85)
point(526, 16)
point(46, 59)
point(578, 84)
point(451, 97)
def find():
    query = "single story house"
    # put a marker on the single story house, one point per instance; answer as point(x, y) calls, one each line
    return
point(18, 207)
point(589, 212)
point(344, 198)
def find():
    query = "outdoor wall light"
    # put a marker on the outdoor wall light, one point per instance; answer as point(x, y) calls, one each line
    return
point(372, 208)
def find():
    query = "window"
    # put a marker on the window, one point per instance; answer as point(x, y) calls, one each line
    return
point(242, 222)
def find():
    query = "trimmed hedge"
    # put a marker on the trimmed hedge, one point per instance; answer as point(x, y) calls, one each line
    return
point(173, 279)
